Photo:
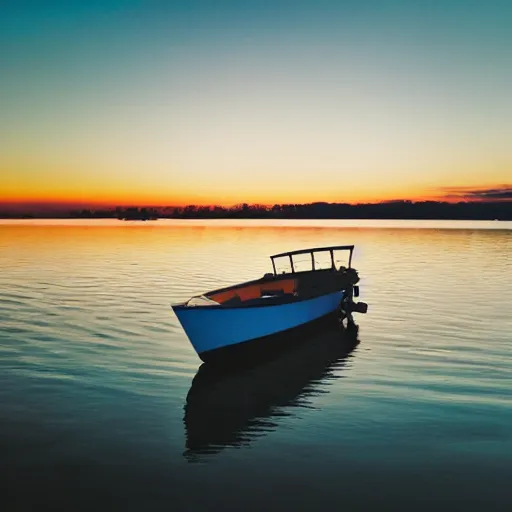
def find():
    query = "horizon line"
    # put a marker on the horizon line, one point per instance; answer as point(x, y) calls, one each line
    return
point(497, 209)
point(87, 205)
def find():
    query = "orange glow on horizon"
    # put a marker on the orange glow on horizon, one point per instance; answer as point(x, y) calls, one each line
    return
point(78, 202)
point(180, 201)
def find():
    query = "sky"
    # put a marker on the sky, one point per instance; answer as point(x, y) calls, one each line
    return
point(221, 102)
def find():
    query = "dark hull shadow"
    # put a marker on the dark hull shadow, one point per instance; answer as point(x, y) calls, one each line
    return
point(231, 406)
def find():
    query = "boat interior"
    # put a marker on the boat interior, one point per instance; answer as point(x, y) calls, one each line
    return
point(256, 292)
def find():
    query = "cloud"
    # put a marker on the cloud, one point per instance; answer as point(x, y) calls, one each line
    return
point(497, 193)
point(493, 193)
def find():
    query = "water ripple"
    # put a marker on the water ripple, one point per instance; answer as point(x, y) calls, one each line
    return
point(94, 365)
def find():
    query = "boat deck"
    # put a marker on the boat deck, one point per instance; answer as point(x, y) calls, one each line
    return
point(283, 289)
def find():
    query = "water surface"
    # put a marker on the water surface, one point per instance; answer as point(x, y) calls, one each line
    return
point(95, 371)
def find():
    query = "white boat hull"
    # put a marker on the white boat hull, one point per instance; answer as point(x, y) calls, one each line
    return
point(211, 328)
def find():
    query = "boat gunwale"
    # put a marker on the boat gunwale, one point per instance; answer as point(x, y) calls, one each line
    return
point(184, 305)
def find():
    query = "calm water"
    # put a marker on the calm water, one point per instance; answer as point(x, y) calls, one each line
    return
point(95, 371)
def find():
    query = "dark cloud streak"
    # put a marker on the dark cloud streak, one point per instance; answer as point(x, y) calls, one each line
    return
point(500, 193)
point(493, 193)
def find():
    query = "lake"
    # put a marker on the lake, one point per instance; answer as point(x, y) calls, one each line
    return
point(95, 371)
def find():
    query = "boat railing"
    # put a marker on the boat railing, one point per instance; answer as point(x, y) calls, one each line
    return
point(312, 252)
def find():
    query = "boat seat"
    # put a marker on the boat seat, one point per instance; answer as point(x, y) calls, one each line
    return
point(272, 292)
point(235, 300)
point(273, 299)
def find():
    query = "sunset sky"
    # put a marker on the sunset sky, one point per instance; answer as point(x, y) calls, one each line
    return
point(221, 102)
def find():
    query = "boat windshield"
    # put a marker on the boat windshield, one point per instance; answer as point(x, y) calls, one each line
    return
point(306, 260)
point(201, 300)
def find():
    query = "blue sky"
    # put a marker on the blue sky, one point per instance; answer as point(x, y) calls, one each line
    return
point(213, 101)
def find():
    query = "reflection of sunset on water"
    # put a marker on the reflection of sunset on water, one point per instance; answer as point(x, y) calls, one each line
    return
point(97, 374)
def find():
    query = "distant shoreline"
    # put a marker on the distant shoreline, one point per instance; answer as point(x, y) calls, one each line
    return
point(395, 210)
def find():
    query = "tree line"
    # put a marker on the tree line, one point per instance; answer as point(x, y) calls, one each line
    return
point(470, 210)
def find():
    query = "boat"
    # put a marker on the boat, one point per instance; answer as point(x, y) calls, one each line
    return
point(237, 405)
point(242, 320)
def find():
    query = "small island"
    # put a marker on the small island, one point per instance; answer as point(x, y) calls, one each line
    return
point(134, 213)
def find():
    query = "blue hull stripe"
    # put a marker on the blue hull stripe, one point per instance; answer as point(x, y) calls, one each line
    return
point(209, 328)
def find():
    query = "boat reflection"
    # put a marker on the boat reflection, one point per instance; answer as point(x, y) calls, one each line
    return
point(233, 407)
